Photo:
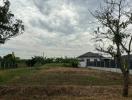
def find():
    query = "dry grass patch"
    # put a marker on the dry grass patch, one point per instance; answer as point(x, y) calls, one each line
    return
point(61, 83)
point(63, 93)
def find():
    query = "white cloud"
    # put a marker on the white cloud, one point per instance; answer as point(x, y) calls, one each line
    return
point(56, 27)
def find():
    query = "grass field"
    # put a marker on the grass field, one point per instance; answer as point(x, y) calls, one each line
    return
point(53, 82)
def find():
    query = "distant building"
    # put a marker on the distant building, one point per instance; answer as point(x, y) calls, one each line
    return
point(125, 57)
point(95, 59)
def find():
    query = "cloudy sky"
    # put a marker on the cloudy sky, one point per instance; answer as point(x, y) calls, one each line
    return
point(55, 27)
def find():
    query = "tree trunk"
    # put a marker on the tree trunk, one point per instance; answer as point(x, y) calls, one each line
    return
point(125, 83)
point(126, 76)
point(125, 70)
point(119, 59)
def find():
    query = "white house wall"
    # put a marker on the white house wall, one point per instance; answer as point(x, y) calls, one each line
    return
point(92, 59)
point(84, 62)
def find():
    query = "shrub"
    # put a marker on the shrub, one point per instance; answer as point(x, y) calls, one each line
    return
point(31, 62)
point(74, 63)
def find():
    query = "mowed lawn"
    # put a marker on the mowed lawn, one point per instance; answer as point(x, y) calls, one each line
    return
point(51, 82)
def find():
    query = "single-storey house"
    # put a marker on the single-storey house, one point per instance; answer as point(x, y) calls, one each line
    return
point(94, 59)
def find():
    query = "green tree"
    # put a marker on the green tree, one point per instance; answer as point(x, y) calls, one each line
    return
point(9, 26)
point(9, 61)
point(113, 37)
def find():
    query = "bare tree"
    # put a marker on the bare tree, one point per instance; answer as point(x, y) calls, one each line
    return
point(113, 35)
point(9, 26)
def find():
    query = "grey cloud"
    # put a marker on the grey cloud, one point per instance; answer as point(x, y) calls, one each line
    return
point(43, 6)
point(58, 27)
point(46, 6)
point(82, 8)
point(64, 26)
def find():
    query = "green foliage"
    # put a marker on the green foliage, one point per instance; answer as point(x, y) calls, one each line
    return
point(35, 60)
point(31, 62)
point(8, 61)
point(71, 63)
point(74, 63)
point(9, 26)
point(48, 60)
point(67, 62)
point(38, 59)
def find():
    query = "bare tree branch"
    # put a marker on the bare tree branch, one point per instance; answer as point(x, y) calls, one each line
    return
point(130, 44)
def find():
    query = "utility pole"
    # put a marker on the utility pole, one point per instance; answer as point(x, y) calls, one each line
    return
point(43, 54)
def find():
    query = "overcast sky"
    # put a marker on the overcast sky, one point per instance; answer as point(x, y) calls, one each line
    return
point(55, 27)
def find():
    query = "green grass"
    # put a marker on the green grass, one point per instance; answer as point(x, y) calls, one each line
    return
point(41, 76)
point(54, 81)
point(57, 79)
point(51, 65)
point(11, 74)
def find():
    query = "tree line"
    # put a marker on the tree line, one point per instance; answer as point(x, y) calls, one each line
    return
point(69, 62)
point(11, 61)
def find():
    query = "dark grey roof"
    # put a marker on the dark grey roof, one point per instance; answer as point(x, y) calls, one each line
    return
point(90, 54)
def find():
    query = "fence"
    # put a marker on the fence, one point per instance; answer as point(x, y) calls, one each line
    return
point(105, 63)
point(8, 64)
